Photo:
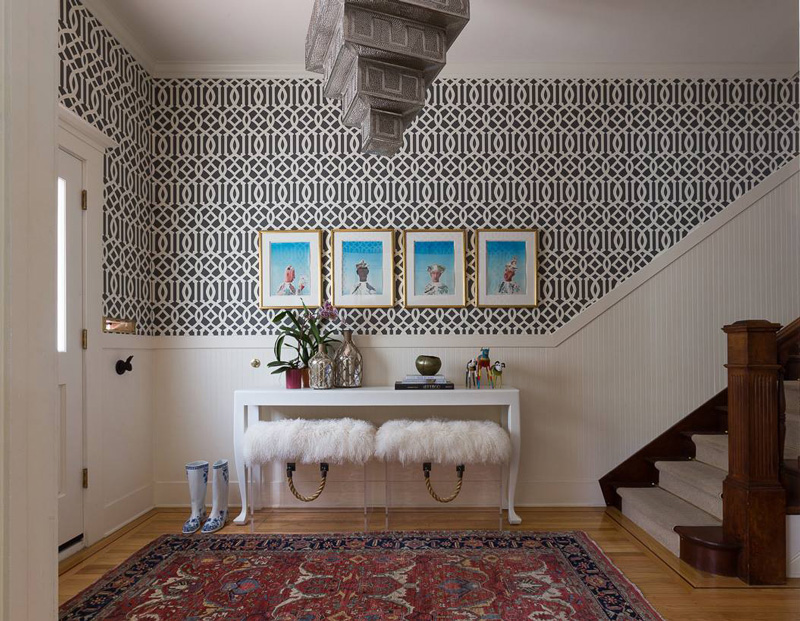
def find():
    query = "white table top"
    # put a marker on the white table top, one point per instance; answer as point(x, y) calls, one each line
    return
point(376, 396)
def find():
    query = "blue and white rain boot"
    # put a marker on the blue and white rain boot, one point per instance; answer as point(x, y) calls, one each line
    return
point(219, 511)
point(197, 473)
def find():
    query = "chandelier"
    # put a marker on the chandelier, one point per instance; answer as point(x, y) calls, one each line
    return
point(378, 58)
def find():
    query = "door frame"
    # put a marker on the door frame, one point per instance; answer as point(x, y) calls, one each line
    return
point(30, 79)
point(88, 144)
point(4, 257)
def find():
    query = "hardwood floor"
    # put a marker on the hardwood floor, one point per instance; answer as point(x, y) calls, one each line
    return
point(670, 592)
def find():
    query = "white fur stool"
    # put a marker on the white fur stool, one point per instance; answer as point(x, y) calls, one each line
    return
point(337, 441)
point(445, 442)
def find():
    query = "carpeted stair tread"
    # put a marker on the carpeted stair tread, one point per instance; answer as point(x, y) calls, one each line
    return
point(658, 512)
point(712, 449)
point(695, 482)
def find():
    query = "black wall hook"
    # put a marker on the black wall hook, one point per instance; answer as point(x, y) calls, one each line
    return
point(124, 366)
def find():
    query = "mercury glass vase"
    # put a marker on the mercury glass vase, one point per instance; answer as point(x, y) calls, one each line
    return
point(320, 369)
point(347, 366)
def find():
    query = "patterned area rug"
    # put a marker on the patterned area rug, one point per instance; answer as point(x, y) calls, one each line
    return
point(379, 576)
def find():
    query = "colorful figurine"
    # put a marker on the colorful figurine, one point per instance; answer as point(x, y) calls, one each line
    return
point(496, 374)
point(471, 378)
point(484, 363)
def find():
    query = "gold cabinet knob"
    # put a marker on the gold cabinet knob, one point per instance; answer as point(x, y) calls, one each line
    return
point(255, 363)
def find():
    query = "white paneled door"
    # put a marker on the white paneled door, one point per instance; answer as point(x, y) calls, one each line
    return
point(70, 343)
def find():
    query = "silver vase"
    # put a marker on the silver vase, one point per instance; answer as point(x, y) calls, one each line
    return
point(347, 365)
point(320, 370)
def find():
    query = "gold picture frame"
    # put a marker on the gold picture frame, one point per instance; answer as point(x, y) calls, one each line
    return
point(485, 299)
point(413, 300)
point(340, 259)
point(266, 297)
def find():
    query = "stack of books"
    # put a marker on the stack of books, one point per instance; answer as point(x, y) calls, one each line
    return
point(424, 382)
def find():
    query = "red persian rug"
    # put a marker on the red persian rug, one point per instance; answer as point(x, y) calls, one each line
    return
point(383, 576)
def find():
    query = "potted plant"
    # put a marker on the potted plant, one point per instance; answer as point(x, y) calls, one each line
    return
point(302, 332)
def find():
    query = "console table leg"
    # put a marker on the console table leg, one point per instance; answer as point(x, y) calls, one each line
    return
point(256, 472)
point(239, 427)
point(513, 470)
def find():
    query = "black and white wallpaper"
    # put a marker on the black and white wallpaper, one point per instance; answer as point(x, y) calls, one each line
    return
point(612, 172)
point(104, 84)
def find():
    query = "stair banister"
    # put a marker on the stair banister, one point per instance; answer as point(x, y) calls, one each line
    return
point(754, 501)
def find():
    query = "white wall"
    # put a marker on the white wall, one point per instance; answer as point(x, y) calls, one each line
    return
point(28, 261)
point(588, 403)
point(4, 210)
point(126, 473)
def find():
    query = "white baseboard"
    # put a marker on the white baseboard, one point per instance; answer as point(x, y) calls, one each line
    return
point(73, 549)
point(579, 493)
point(124, 510)
point(350, 494)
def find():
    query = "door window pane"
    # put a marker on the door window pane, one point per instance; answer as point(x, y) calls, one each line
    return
point(61, 249)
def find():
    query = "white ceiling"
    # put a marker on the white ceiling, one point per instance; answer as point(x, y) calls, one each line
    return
point(503, 38)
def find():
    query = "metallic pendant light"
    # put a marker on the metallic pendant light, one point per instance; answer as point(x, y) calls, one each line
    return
point(379, 57)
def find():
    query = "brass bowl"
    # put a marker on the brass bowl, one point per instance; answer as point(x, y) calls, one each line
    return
point(428, 365)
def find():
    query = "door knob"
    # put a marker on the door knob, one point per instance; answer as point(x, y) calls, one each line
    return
point(255, 363)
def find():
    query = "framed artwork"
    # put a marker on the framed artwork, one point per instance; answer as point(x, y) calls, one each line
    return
point(363, 268)
point(508, 268)
point(435, 268)
point(290, 268)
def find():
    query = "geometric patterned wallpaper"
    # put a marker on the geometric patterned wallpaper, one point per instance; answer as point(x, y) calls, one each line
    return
point(612, 172)
point(104, 84)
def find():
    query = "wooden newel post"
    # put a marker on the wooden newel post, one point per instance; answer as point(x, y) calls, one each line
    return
point(754, 501)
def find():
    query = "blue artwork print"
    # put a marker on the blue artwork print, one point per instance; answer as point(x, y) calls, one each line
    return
point(506, 268)
point(434, 268)
point(362, 267)
point(290, 268)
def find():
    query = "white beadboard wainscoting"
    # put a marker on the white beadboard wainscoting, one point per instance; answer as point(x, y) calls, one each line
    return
point(635, 368)
point(126, 476)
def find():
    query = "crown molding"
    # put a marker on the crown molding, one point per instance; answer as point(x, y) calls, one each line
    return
point(164, 69)
point(106, 16)
point(619, 70)
point(498, 70)
point(80, 128)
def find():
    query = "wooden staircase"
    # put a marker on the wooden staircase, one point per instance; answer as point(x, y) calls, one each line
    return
point(715, 488)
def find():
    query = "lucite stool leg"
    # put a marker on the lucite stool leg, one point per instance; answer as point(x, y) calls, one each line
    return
point(366, 514)
point(248, 473)
point(500, 500)
point(386, 494)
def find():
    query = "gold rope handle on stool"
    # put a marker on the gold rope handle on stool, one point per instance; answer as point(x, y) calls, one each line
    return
point(426, 469)
point(323, 469)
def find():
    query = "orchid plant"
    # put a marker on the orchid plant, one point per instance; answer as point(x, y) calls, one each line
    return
point(302, 331)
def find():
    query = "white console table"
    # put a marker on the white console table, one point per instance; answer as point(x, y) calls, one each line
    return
point(247, 404)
